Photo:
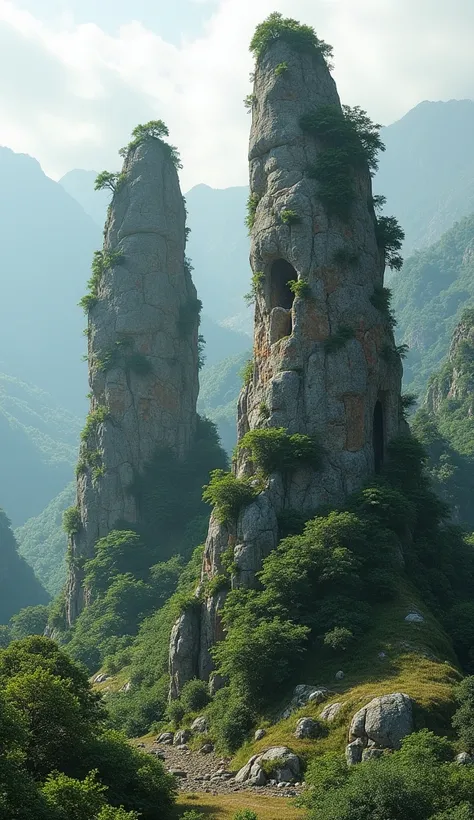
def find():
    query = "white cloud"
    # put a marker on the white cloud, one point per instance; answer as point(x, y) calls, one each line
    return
point(72, 93)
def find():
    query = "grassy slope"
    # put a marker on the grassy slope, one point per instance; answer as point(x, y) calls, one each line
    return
point(224, 806)
point(419, 661)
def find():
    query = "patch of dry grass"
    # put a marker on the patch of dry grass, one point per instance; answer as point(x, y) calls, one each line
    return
point(224, 806)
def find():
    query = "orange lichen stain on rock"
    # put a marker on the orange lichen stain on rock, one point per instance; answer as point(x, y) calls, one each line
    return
point(371, 341)
point(332, 278)
point(314, 323)
point(355, 421)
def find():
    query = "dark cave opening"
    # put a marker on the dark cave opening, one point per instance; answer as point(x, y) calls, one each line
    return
point(280, 294)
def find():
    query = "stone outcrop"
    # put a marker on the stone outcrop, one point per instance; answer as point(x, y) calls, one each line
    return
point(308, 729)
point(384, 722)
point(320, 365)
point(278, 763)
point(455, 380)
point(142, 351)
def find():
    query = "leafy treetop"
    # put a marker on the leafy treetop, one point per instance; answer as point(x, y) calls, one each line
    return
point(298, 36)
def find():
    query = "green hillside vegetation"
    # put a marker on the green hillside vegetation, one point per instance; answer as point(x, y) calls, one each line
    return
point(19, 586)
point(38, 442)
point(43, 542)
point(219, 390)
point(57, 760)
point(429, 295)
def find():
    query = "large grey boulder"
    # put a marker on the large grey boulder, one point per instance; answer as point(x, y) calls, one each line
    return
point(200, 725)
point(308, 729)
point(278, 763)
point(384, 722)
point(330, 713)
point(354, 752)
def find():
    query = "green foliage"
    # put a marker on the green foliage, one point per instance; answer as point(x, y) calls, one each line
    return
point(300, 37)
point(156, 130)
point(112, 181)
point(280, 69)
point(94, 419)
point(339, 339)
point(407, 402)
point(258, 278)
point(194, 696)
point(232, 718)
point(252, 205)
point(201, 344)
point(193, 815)
point(102, 261)
point(249, 101)
point(228, 494)
point(343, 256)
point(273, 449)
point(247, 373)
point(245, 814)
point(390, 238)
point(19, 586)
point(72, 522)
point(123, 355)
point(31, 620)
point(393, 353)
point(300, 287)
point(56, 761)
point(463, 718)
point(338, 638)
point(290, 217)
point(418, 776)
point(351, 141)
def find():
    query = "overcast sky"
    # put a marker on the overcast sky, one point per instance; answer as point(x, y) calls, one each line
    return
point(78, 75)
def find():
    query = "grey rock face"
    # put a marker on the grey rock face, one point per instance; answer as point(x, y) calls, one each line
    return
point(142, 295)
point(307, 728)
point(414, 618)
point(184, 650)
point(181, 737)
point(303, 694)
point(260, 734)
point(350, 397)
point(384, 722)
point(354, 752)
point(200, 725)
point(259, 768)
point(331, 712)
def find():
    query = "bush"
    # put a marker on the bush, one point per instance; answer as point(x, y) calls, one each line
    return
point(252, 205)
point(390, 238)
point(273, 450)
point(257, 281)
point(300, 37)
point(463, 719)
point(109, 180)
point(338, 638)
point(31, 620)
point(245, 814)
point(228, 494)
point(339, 339)
point(280, 69)
point(189, 316)
point(289, 217)
point(175, 712)
point(72, 522)
point(231, 719)
point(154, 129)
point(300, 287)
point(247, 373)
point(102, 261)
point(194, 696)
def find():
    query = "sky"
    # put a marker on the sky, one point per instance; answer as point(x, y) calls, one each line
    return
point(78, 75)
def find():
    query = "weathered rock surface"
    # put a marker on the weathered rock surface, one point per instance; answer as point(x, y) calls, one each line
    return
point(181, 737)
point(347, 397)
point(307, 728)
point(414, 618)
point(384, 722)
point(278, 763)
point(330, 713)
point(200, 725)
point(143, 369)
point(260, 734)
point(354, 752)
point(303, 694)
point(184, 650)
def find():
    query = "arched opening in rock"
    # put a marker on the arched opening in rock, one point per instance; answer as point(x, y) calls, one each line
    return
point(378, 437)
point(281, 299)
point(280, 294)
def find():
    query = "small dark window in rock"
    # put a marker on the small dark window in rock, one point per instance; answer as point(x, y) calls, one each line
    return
point(280, 294)
point(378, 437)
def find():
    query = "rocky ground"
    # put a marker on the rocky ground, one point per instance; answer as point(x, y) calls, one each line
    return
point(209, 773)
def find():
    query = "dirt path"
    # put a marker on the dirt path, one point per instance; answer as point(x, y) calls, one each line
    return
point(209, 773)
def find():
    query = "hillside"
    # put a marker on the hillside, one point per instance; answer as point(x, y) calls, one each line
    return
point(38, 445)
point(42, 541)
point(47, 245)
point(219, 390)
point(429, 294)
point(427, 170)
point(19, 586)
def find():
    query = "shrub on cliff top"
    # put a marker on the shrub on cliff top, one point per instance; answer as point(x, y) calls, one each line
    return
point(154, 129)
point(228, 494)
point(299, 36)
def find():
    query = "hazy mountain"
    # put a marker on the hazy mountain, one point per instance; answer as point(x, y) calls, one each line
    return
point(427, 171)
point(220, 385)
point(19, 586)
point(47, 241)
point(80, 185)
point(429, 295)
point(38, 445)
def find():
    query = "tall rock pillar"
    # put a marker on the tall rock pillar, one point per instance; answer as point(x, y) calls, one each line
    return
point(325, 363)
point(142, 351)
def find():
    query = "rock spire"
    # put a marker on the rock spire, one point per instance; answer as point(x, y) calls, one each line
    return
point(143, 318)
point(325, 363)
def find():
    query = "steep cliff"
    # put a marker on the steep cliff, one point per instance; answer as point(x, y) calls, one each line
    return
point(143, 318)
point(322, 399)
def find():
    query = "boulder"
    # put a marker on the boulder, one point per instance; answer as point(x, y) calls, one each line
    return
point(339, 675)
point(330, 712)
point(307, 728)
point(414, 618)
point(302, 695)
point(371, 754)
point(200, 725)
point(354, 752)
point(464, 759)
point(101, 678)
point(278, 763)
point(181, 737)
point(384, 722)
point(207, 749)
point(260, 734)
point(165, 737)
